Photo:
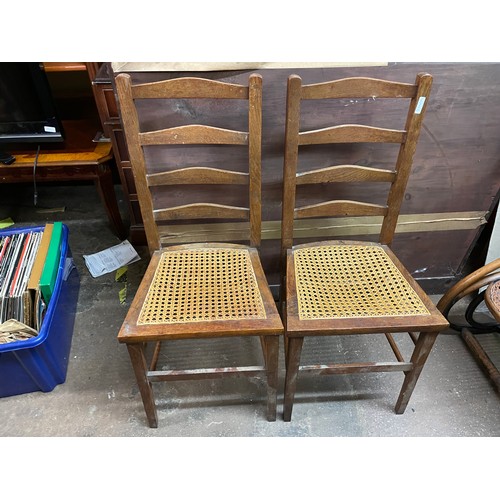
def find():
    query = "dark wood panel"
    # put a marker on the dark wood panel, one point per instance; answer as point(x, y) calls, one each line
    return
point(456, 167)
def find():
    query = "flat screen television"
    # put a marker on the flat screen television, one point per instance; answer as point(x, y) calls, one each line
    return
point(27, 110)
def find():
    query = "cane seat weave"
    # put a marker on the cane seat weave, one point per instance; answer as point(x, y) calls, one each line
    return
point(352, 281)
point(493, 299)
point(203, 285)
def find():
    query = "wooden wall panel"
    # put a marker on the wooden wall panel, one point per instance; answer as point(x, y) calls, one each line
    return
point(456, 167)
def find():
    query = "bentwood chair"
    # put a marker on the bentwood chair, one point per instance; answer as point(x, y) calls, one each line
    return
point(351, 287)
point(198, 290)
point(482, 285)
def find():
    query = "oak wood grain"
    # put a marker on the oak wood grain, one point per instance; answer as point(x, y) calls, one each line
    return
point(201, 211)
point(339, 208)
point(197, 175)
point(351, 133)
point(345, 173)
point(190, 88)
point(358, 87)
point(193, 134)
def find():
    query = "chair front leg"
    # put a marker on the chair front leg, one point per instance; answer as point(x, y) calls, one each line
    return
point(271, 356)
point(138, 358)
point(420, 354)
point(293, 352)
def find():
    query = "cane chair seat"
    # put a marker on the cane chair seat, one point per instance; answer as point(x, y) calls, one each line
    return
point(199, 291)
point(209, 284)
point(337, 281)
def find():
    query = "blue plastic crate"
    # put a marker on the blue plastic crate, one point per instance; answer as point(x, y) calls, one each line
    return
point(41, 363)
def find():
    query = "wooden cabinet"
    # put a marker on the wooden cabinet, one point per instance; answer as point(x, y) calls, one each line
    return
point(108, 112)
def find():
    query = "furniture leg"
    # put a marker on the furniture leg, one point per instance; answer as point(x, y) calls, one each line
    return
point(263, 345)
point(420, 354)
point(271, 354)
point(106, 190)
point(294, 350)
point(138, 358)
point(481, 357)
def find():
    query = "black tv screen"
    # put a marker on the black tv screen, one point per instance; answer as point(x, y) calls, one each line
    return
point(27, 111)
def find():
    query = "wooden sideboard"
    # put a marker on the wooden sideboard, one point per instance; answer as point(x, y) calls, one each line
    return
point(455, 181)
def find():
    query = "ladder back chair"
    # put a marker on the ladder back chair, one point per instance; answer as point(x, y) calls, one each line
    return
point(197, 290)
point(351, 287)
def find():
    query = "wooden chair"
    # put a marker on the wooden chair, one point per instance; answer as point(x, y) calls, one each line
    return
point(481, 285)
point(201, 290)
point(350, 287)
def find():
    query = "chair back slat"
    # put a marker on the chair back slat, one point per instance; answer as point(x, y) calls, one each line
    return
point(201, 211)
point(358, 88)
point(339, 208)
point(345, 173)
point(416, 95)
point(351, 133)
point(190, 88)
point(193, 134)
point(159, 177)
point(197, 175)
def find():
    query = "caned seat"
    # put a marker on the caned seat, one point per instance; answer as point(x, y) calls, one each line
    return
point(342, 287)
point(202, 289)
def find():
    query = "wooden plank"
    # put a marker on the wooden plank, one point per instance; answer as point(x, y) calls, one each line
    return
point(345, 173)
point(205, 373)
point(188, 88)
point(455, 165)
point(101, 154)
point(231, 66)
point(201, 211)
point(53, 67)
point(337, 369)
point(328, 228)
point(339, 207)
point(193, 134)
point(255, 157)
point(197, 175)
point(404, 163)
point(357, 88)
point(351, 133)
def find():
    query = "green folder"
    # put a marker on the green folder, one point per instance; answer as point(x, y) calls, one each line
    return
point(49, 273)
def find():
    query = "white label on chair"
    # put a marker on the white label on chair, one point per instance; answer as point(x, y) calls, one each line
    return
point(420, 105)
point(49, 129)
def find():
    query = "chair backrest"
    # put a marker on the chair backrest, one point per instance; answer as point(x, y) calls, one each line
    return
point(350, 90)
point(152, 180)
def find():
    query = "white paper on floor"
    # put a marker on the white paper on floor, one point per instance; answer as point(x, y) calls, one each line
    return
point(111, 259)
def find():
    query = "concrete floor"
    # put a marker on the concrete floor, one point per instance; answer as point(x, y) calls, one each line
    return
point(100, 396)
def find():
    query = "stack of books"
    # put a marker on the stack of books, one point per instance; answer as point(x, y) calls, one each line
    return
point(29, 263)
